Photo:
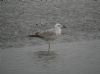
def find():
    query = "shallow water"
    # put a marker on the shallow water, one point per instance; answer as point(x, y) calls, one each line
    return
point(66, 58)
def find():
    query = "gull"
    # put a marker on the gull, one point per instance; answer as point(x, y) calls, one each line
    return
point(49, 34)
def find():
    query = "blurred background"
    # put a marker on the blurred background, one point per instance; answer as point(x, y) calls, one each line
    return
point(19, 18)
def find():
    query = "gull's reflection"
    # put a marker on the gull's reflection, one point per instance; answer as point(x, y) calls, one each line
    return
point(44, 56)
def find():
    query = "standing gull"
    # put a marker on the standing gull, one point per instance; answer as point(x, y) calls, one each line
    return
point(49, 34)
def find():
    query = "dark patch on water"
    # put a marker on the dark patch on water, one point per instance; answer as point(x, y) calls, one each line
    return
point(45, 55)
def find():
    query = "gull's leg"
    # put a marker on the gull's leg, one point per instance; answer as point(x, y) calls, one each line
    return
point(49, 47)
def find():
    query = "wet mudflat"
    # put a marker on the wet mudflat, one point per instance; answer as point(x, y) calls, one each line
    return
point(81, 57)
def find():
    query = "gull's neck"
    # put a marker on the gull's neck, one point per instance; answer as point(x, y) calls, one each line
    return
point(57, 30)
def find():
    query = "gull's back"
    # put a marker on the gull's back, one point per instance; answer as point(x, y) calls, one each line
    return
point(48, 34)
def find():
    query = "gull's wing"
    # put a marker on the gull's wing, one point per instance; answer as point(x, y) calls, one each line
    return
point(49, 32)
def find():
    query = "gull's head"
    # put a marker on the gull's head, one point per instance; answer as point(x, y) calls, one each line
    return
point(59, 26)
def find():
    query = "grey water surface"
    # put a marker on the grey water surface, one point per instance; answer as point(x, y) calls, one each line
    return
point(81, 57)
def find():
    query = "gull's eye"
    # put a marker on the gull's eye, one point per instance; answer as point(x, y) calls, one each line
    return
point(59, 25)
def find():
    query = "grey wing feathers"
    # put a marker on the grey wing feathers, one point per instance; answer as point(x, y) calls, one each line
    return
point(47, 33)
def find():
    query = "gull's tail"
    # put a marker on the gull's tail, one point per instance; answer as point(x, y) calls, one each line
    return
point(35, 35)
point(32, 36)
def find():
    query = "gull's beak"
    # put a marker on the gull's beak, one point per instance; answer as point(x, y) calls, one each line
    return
point(64, 26)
